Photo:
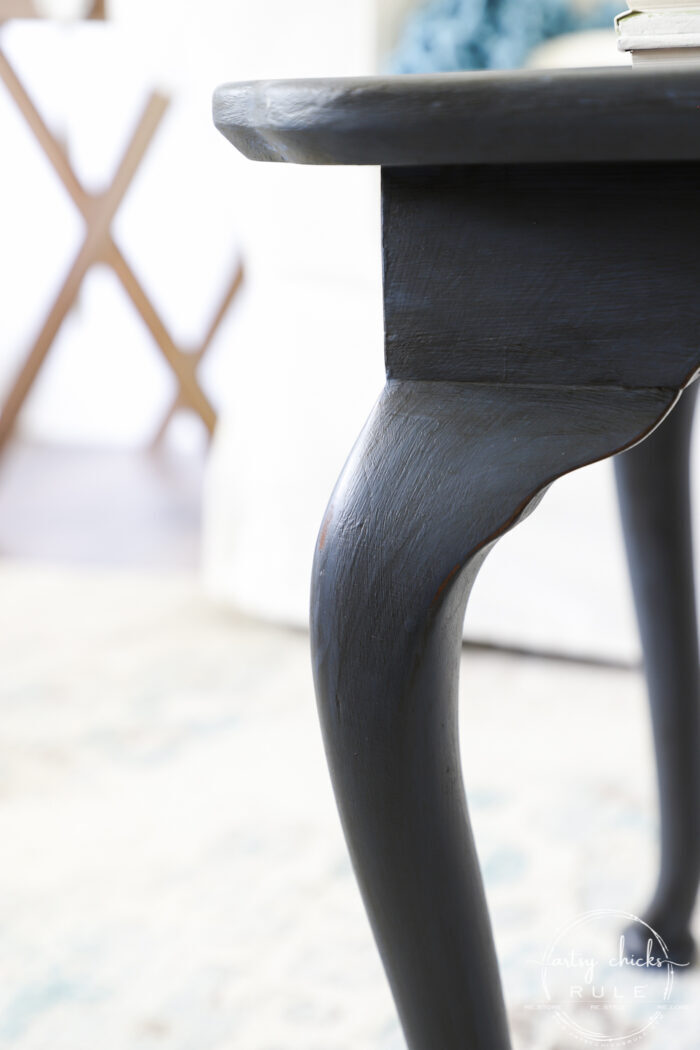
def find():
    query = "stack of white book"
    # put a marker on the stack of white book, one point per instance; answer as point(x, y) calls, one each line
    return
point(660, 29)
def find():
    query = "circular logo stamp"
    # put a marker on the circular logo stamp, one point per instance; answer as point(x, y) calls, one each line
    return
point(608, 978)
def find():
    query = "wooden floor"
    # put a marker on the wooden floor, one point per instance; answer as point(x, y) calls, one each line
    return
point(101, 507)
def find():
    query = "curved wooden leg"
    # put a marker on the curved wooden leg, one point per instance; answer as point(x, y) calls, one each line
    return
point(440, 472)
point(654, 493)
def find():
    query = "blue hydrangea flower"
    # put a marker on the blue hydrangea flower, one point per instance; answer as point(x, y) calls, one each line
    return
point(448, 35)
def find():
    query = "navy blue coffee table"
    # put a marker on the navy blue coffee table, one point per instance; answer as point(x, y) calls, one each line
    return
point(541, 243)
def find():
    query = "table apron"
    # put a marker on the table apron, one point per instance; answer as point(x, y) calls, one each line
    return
point(582, 274)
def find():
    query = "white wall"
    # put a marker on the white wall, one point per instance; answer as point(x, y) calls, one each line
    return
point(183, 221)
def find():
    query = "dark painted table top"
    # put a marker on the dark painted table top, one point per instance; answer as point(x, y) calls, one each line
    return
point(618, 114)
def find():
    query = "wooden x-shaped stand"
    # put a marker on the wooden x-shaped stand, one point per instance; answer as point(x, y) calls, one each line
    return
point(99, 246)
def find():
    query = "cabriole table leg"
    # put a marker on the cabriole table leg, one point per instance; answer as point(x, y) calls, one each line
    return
point(654, 492)
point(439, 473)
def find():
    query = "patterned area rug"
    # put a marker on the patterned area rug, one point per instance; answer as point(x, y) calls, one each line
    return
point(173, 871)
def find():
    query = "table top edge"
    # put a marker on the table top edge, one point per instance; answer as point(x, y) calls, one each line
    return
point(519, 116)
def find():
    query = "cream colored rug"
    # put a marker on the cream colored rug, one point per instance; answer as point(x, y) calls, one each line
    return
point(173, 875)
